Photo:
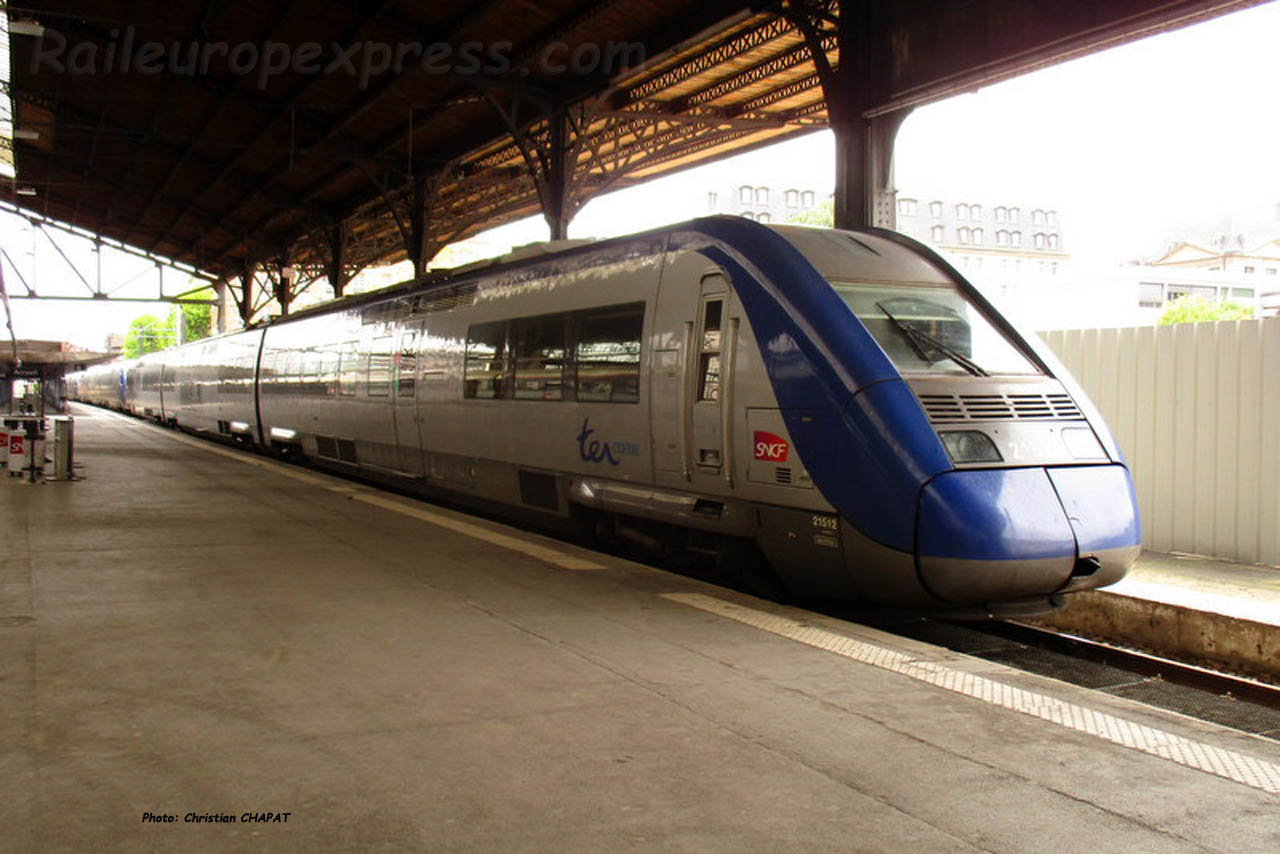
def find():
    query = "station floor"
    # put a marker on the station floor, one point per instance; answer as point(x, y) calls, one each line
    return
point(190, 631)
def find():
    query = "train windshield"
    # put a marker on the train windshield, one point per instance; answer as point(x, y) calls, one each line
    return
point(933, 329)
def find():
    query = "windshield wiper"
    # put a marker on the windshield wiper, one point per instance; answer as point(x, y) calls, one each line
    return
point(917, 337)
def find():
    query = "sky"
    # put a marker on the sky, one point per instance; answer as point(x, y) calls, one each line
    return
point(1170, 135)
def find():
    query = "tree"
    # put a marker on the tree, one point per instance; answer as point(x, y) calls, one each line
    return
point(823, 214)
point(197, 319)
point(147, 334)
point(1193, 309)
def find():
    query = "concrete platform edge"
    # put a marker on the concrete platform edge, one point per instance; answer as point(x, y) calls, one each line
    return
point(1173, 631)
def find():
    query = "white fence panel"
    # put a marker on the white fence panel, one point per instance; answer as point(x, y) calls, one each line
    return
point(1196, 410)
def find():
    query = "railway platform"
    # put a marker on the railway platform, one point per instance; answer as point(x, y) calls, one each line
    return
point(1222, 615)
point(204, 649)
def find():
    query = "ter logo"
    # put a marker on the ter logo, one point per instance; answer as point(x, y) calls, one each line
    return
point(769, 447)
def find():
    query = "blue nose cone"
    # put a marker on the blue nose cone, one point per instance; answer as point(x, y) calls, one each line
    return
point(993, 534)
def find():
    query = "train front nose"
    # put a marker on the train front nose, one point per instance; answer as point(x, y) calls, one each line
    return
point(1002, 535)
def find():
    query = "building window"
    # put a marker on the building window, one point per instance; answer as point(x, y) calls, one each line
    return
point(748, 215)
point(763, 216)
point(937, 233)
point(1016, 237)
point(744, 195)
point(762, 195)
point(1037, 217)
point(1014, 213)
point(1271, 271)
point(1002, 237)
point(975, 211)
point(1052, 241)
point(977, 235)
point(962, 234)
point(793, 198)
point(1051, 217)
point(711, 201)
point(935, 209)
point(1242, 293)
point(1250, 269)
point(806, 198)
point(1037, 240)
point(1002, 214)
point(962, 211)
point(907, 207)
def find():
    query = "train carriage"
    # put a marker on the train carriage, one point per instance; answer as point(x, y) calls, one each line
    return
point(842, 403)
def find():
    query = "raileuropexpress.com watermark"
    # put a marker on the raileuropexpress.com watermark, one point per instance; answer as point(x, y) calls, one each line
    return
point(364, 61)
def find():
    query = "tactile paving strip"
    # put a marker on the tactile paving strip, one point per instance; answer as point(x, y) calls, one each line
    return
point(1229, 764)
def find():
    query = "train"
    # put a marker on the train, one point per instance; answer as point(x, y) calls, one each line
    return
point(837, 410)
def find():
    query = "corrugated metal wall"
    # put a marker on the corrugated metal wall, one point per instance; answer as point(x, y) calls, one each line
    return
point(1196, 410)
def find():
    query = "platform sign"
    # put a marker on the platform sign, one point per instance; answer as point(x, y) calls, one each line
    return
point(16, 444)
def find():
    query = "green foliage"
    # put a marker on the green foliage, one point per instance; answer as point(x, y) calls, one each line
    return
point(147, 334)
point(1192, 309)
point(823, 214)
point(197, 319)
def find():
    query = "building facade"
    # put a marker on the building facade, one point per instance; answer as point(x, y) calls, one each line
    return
point(764, 203)
point(997, 242)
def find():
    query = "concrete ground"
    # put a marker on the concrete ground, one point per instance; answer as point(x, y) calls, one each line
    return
point(193, 631)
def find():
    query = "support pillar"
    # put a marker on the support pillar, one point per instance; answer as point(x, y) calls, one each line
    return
point(852, 88)
point(555, 186)
point(865, 194)
point(284, 286)
point(419, 223)
point(245, 305)
point(336, 272)
point(220, 310)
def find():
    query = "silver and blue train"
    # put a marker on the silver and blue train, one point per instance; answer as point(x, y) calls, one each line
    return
point(842, 405)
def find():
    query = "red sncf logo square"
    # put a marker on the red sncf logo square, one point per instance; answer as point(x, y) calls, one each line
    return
point(769, 447)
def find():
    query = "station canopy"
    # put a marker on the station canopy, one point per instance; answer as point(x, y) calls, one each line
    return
point(328, 135)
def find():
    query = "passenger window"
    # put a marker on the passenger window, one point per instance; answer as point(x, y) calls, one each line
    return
point(407, 370)
point(485, 375)
point(709, 350)
point(379, 377)
point(349, 369)
point(608, 354)
point(539, 344)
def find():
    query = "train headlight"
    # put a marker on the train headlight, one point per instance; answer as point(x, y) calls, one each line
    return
point(1082, 444)
point(970, 446)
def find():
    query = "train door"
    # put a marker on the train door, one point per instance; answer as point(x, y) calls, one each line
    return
point(405, 402)
point(709, 385)
point(690, 379)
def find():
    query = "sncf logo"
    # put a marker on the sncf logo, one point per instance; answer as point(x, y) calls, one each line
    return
point(769, 447)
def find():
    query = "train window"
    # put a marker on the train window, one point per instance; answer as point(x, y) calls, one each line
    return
point(407, 366)
point(330, 366)
point(607, 354)
point(378, 382)
point(487, 361)
point(539, 345)
point(933, 329)
point(709, 350)
point(349, 369)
